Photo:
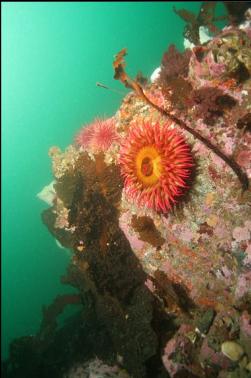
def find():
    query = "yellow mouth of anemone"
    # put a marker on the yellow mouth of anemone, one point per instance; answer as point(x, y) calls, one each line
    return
point(148, 165)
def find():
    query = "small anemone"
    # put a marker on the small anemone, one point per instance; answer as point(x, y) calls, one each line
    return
point(97, 136)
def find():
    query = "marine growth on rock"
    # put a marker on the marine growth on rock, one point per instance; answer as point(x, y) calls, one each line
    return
point(154, 206)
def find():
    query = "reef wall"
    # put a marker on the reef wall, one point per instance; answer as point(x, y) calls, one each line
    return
point(157, 214)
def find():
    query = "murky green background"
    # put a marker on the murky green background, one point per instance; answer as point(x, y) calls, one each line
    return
point(53, 54)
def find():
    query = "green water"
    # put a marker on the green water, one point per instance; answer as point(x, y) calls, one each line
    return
point(53, 54)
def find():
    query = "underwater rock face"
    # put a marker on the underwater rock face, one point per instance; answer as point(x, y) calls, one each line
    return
point(189, 261)
point(96, 368)
point(162, 269)
point(226, 56)
point(207, 236)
